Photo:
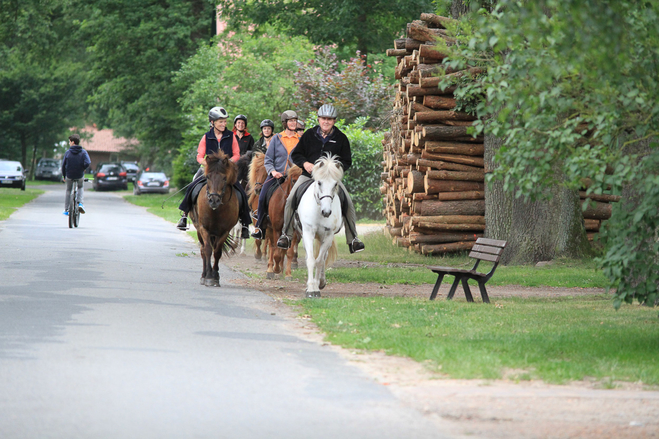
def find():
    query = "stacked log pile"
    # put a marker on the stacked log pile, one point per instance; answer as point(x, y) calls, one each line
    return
point(433, 179)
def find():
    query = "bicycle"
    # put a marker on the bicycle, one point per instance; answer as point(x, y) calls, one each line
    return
point(74, 209)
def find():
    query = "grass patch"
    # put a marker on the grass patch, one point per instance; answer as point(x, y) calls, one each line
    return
point(43, 183)
point(555, 340)
point(11, 199)
point(154, 204)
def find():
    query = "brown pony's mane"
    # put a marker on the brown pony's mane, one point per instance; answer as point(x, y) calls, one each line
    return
point(219, 163)
point(294, 172)
point(257, 172)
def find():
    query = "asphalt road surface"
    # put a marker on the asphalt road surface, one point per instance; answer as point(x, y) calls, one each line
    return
point(105, 332)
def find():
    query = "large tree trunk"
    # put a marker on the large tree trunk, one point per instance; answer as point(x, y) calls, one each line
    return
point(535, 231)
point(458, 8)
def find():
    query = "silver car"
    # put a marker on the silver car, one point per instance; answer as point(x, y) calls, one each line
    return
point(12, 174)
point(49, 169)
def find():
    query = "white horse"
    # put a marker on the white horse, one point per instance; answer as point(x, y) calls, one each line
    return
point(320, 218)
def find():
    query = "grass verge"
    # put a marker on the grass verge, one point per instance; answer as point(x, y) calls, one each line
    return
point(555, 340)
point(154, 204)
point(11, 199)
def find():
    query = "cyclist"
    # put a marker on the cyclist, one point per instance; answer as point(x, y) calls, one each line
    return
point(218, 138)
point(267, 130)
point(76, 160)
point(316, 141)
point(245, 139)
point(277, 161)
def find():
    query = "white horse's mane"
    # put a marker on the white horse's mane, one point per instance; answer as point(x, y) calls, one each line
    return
point(327, 167)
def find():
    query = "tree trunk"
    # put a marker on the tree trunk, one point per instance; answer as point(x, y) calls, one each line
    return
point(458, 8)
point(535, 231)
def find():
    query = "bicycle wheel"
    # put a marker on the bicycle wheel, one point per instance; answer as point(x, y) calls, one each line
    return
point(72, 209)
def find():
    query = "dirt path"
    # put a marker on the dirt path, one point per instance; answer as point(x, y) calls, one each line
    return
point(479, 408)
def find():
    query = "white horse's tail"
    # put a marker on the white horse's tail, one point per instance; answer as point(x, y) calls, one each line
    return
point(332, 253)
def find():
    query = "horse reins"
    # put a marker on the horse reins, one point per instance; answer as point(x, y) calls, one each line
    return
point(221, 195)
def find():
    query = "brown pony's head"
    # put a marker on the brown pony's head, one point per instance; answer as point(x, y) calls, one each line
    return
point(257, 173)
point(220, 172)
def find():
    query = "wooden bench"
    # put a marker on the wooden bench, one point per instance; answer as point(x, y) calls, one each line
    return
point(484, 250)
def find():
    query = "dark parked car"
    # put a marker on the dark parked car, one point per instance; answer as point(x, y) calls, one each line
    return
point(110, 176)
point(132, 169)
point(12, 174)
point(151, 182)
point(49, 169)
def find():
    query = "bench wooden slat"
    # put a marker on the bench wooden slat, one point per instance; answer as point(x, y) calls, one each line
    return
point(484, 256)
point(448, 270)
point(487, 249)
point(492, 242)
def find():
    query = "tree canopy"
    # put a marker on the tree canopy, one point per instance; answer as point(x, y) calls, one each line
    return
point(368, 25)
point(571, 88)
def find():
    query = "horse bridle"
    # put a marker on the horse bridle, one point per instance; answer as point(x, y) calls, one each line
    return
point(221, 195)
point(319, 199)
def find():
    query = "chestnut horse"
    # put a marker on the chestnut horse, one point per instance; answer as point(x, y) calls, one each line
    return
point(257, 176)
point(275, 224)
point(215, 213)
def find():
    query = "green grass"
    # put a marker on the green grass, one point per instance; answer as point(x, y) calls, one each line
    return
point(43, 183)
point(154, 204)
point(11, 199)
point(555, 340)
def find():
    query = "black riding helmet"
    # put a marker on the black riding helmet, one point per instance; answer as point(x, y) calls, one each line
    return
point(240, 117)
point(267, 123)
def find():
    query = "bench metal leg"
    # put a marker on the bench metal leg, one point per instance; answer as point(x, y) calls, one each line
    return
point(451, 292)
point(435, 290)
point(465, 285)
point(481, 285)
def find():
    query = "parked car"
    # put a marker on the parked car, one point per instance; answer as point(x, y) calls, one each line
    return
point(12, 174)
point(151, 182)
point(49, 169)
point(132, 168)
point(110, 176)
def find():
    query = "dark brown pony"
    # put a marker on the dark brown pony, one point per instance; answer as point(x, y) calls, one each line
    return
point(257, 176)
point(215, 213)
point(275, 224)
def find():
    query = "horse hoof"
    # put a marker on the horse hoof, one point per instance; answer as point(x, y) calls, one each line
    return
point(270, 275)
point(277, 276)
point(294, 265)
point(321, 285)
point(309, 294)
point(212, 283)
point(316, 294)
point(201, 281)
point(257, 257)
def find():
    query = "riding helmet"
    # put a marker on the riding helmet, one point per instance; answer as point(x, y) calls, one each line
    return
point(240, 117)
point(217, 113)
point(267, 123)
point(287, 115)
point(327, 110)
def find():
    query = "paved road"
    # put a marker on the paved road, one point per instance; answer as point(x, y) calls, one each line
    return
point(106, 333)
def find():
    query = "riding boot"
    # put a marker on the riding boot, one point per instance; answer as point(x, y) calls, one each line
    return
point(356, 246)
point(245, 232)
point(182, 223)
point(258, 234)
point(284, 242)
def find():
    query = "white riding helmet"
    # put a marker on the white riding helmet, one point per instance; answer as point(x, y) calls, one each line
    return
point(217, 113)
point(327, 110)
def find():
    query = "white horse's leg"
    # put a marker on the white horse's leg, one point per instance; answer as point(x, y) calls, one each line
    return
point(322, 258)
point(308, 238)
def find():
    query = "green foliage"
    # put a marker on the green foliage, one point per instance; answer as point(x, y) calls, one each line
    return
point(564, 81)
point(40, 76)
point(368, 25)
point(349, 85)
point(135, 46)
point(555, 340)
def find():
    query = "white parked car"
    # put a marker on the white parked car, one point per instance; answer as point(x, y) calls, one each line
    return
point(12, 174)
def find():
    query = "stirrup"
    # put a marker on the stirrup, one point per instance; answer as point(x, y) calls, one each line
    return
point(182, 223)
point(284, 242)
point(258, 234)
point(356, 246)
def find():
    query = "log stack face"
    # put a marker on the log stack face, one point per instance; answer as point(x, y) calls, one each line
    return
point(433, 177)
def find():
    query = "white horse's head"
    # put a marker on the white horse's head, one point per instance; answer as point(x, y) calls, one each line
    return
point(327, 173)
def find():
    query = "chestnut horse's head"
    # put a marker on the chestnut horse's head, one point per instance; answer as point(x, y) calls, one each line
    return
point(220, 172)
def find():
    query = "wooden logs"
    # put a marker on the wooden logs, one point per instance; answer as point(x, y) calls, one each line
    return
point(415, 182)
point(455, 148)
point(439, 238)
point(455, 175)
point(440, 116)
point(455, 158)
point(439, 102)
point(448, 166)
point(462, 207)
point(446, 248)
point(597, 210)
point(434, 186)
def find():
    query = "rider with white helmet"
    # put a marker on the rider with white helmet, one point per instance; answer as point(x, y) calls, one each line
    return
point(218, 138)
point(322, 139)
